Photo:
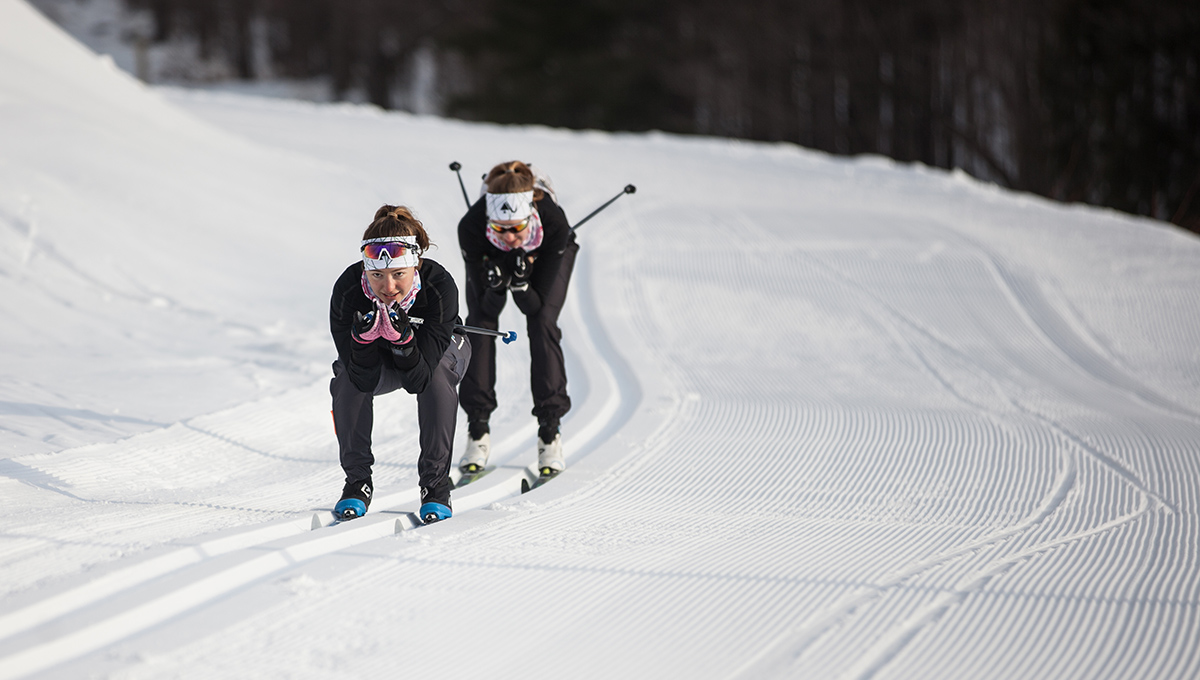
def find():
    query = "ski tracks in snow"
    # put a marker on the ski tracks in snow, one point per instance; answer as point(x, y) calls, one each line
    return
point(90, 612)
point(1098, 507)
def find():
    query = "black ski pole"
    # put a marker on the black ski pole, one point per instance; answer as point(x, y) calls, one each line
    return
point(629, 189)
point(455, 166)
point(506, 336)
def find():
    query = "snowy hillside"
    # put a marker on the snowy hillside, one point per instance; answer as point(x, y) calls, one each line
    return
point(832, 418)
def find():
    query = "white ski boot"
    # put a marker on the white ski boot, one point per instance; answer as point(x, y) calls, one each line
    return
point(550, 457)
point(476, 456)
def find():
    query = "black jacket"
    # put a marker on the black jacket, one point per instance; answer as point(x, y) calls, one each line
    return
point(436, 305)
point(477, 250)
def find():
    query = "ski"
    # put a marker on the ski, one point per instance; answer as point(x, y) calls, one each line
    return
point(468, 477)
point(544, 475)
point(340, 518)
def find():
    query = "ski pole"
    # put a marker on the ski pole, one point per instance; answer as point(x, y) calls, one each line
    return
point(506, 336)
point(456, 166)
point(629, 189)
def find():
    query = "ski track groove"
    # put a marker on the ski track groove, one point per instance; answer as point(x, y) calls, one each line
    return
point(1082, 528)
point(301, 532)
point(886, 649)
point(1116, 465)
point(858, 430)
point(953, 550)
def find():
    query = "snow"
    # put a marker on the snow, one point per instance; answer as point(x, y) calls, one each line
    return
point(834, 418)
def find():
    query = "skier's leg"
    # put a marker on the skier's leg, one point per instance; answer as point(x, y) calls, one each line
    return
point(437, 414)
point(548, 373)
point(353, 418)
point(477, 396)
point(547, 369)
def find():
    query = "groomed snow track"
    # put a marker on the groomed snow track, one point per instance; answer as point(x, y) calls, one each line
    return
point(130, 596)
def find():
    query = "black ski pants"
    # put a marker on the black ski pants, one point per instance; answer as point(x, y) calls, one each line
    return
point(547, 369)
point(437, 414)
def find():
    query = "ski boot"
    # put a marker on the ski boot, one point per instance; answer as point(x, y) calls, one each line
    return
point(356, 497)
point(476, 456)
point(550, 456)
point(435, 505)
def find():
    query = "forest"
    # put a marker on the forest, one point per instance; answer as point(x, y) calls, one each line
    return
point(1094, 101)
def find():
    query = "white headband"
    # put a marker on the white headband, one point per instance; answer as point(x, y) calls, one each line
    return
point(516, 206)
point(409, 257)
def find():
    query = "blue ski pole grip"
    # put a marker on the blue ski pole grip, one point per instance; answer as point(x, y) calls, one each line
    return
point(510, 337)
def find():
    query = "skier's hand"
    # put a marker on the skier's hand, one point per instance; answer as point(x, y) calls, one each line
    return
point(494, 275)
point(398, 330)
point(522, 268)
point(365, 327)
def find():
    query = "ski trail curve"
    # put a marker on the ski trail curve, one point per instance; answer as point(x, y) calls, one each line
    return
point(166, 583)
point(878, 656)
point(778, 656)
point(980, 371)
point(1068, 337)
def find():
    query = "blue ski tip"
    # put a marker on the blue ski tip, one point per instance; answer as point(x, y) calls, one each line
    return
point(434, 512)
point(512, 335)
point(349, 508)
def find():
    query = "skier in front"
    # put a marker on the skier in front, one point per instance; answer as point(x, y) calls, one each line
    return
point(381, 350)
point(516, 240)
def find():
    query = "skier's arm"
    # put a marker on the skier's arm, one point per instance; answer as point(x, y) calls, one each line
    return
point(362, 362)
point(418, 359)
point(544, 269)
point(470, 235)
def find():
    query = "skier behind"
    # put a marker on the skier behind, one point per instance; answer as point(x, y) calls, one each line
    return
point(380, 349)
point(515, 239)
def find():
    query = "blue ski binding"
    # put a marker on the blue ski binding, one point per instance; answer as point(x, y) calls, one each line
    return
point(434, 512)
point(349, 508)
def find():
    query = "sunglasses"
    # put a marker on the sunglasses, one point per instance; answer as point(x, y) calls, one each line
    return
point(393, 249)
point(509, 229)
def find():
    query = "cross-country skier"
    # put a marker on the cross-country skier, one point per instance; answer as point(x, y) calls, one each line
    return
point(515, 240)
point(380, 350)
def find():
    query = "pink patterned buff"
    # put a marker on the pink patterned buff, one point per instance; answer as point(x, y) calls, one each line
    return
point(405, 303)
point(533, 235)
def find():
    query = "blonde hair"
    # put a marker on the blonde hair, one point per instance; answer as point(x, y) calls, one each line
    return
point(397, 220)
point(511, 178)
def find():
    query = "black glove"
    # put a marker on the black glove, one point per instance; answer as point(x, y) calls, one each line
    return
point(400, 324)
point(362, 329)
point(494, 275)
point(522, 269)
point(400, 334)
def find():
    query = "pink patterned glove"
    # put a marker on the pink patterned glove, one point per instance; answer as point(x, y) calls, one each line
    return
point(366, 328)
point(398, 330)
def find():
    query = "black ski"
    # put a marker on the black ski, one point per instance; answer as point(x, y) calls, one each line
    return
point(469, 477)
point(545, 475)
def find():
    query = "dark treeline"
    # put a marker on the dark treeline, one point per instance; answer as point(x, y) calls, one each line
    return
point(1078, 100)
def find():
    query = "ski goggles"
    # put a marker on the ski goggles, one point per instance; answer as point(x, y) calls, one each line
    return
point(509, 228)
point(386, 253)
